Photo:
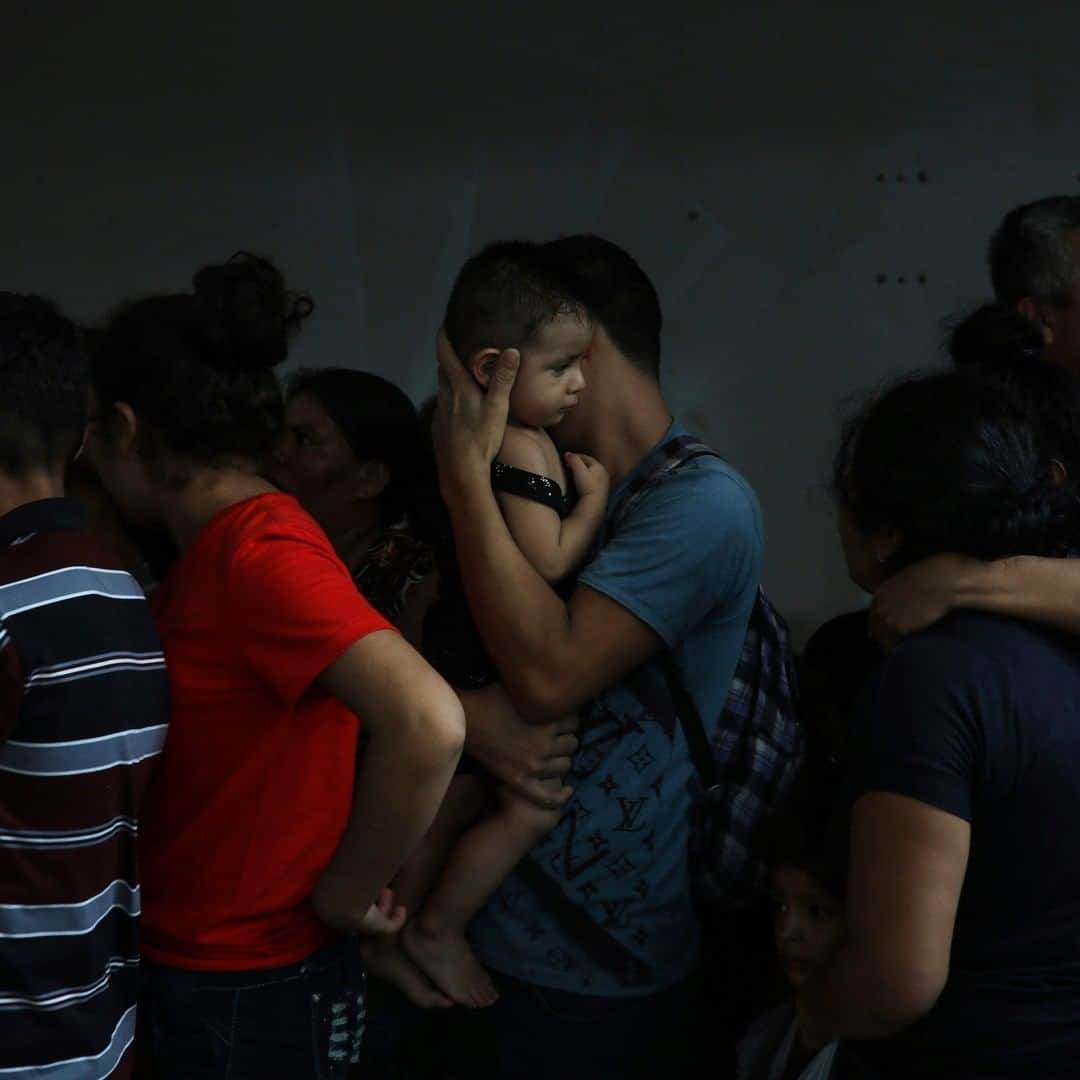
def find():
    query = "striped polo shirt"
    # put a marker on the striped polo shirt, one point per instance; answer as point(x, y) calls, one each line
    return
point(83, 714)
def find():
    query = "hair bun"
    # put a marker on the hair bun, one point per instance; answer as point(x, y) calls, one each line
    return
point(250, 312)
point(995, 336)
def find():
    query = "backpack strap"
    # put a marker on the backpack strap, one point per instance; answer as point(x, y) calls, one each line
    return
point(686, 711)
point(603, 949)
point(674, 453)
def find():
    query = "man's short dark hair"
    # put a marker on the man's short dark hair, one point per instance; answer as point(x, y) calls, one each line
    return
point(44, 385)
point(618, 294)
point(503, 296)
point(1031, 254)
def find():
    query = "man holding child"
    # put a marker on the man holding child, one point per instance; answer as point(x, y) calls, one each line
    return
point(597, 925)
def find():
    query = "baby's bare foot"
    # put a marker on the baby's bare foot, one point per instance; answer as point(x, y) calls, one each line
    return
point(449, 962)
point(385, 958)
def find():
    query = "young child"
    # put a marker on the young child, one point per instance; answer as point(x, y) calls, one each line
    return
point(504, 297)
point(808, 895)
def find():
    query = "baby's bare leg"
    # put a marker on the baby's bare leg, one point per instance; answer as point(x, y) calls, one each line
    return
point(482, 860)
point(466, 799)
point(385, 957)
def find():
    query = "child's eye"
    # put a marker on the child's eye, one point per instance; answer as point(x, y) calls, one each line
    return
point(562, 369)
point(818, 913)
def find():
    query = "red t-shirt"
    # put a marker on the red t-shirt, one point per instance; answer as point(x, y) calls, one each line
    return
point(255, 784)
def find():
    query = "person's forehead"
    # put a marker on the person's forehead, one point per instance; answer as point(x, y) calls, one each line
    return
point(565, 330)
point(795, 881)
point(305, 409)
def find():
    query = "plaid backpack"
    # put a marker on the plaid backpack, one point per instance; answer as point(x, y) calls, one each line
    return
point(748, 766)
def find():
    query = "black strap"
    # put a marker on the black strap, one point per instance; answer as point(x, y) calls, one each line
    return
point(533, 486)
point(694, 730)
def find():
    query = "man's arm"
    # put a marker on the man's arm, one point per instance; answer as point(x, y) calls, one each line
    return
point(1043, 591)
point(552, 656)
point(691, 545)
point(520, 754)
point(908, 862)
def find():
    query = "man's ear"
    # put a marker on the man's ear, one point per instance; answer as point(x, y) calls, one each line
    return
point(124, 426)
point(1059, 475)
point(1042, 315)
point(481, 365)
point(371, 479)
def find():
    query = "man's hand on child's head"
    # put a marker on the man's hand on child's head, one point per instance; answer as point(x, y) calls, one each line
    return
point(469, 423)
point(385, 917)
point(590, 477)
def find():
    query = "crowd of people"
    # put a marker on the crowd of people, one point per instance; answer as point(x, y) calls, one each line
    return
point(341, 737)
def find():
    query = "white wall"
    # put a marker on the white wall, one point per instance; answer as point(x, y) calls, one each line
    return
point(370, 150)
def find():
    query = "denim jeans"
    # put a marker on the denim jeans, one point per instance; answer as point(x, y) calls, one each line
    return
point(543, 1034)
point(300, 1022)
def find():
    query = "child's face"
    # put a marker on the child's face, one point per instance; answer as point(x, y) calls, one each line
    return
point(809, 923)
point(550, 377)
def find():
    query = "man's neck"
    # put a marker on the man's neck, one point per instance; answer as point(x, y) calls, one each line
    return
point(34, 486)
point(630, 430)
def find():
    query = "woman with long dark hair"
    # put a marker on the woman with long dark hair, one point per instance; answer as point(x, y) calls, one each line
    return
point(962, 955)
point(358, 459)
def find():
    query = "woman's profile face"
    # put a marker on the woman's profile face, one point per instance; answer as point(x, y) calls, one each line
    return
point(316, 464)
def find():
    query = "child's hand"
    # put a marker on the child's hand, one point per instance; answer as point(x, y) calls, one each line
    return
point(384, 918)
point(590, 477)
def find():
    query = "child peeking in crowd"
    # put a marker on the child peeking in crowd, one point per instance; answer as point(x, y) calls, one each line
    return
point(808, 887)
point(506, 297)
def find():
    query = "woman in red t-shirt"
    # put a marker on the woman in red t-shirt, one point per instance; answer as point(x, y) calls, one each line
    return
point(256, 845)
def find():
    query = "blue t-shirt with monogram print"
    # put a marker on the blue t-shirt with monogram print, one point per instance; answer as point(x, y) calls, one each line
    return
point(685, 560)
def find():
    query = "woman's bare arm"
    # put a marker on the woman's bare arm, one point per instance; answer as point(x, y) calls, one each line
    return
point(416, 730)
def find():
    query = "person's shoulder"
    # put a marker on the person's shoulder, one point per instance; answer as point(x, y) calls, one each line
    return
point(266, 532)
point(964, 657)
point(709, 495)
point(530, 450)
point(270, 516)
point(973, 633)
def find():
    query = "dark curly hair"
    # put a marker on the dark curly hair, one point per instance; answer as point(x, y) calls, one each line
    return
point(955, 462)
point(991, 335)
point(44, 385)
point(197, 367)
point(503, 296)
point(997, 342)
